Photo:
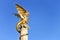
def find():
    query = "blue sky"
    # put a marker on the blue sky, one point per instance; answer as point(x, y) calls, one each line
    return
point(44, 19)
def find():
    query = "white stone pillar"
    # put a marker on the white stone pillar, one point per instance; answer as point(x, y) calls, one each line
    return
point(24, 33)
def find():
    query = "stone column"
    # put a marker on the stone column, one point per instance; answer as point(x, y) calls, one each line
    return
point(24, 33)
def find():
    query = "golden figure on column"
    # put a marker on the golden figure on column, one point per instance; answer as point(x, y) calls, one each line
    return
point(22, 26)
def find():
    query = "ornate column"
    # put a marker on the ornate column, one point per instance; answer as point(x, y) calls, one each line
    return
point(24, 33)
point(22, 26)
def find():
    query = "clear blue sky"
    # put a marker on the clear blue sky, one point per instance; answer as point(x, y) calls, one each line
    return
point(44, 19)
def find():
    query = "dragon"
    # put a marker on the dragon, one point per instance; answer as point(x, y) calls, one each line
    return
point(23, 15)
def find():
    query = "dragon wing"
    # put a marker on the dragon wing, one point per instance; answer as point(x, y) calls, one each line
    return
point(20, 8)
point(17, 15)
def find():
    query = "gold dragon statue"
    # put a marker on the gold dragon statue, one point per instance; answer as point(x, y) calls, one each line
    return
point(23, 15)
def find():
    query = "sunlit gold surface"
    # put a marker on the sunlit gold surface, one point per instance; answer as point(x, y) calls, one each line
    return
point(23, 15)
